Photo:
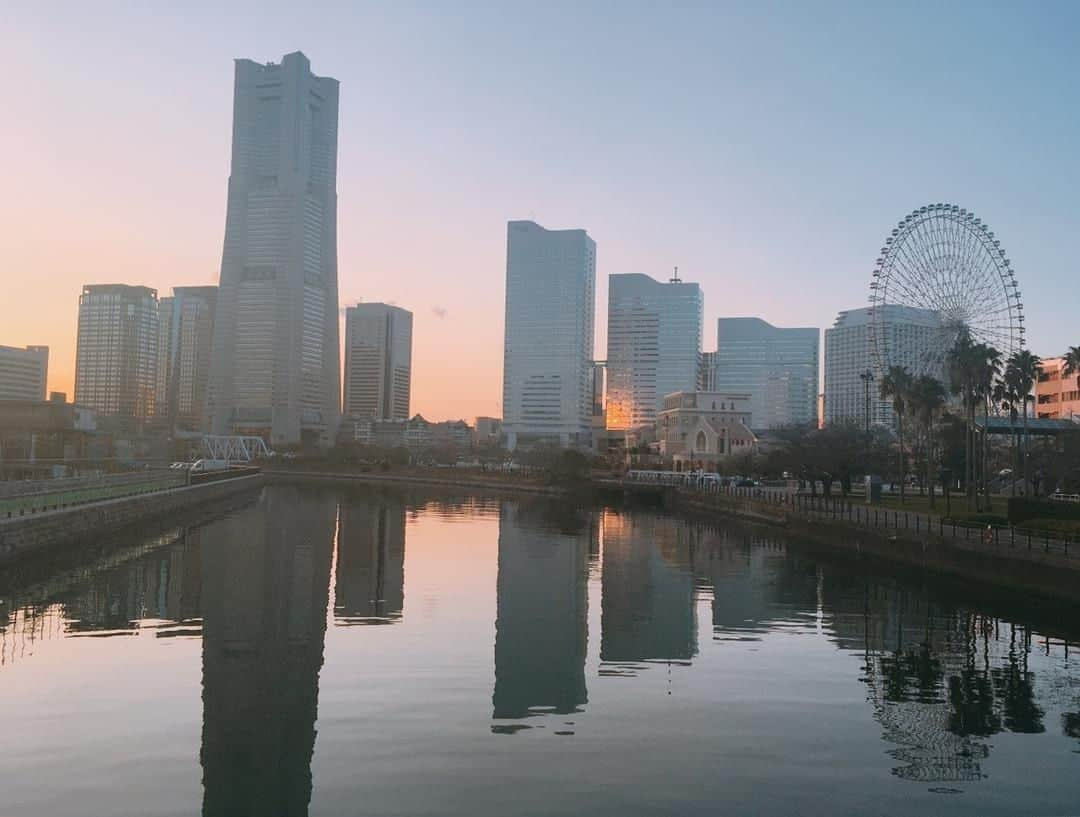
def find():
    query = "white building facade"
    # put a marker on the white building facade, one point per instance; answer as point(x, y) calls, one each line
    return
point(777, 366)
point(378, 362)
point(653, 346)
point(24, 373)
point(275, 364)
point(548, 346)
point(116, 350)
point(913, 336)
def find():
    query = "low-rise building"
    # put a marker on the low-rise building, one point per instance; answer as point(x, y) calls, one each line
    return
point(698, 429)
point(487, 431)
point(1057, 395)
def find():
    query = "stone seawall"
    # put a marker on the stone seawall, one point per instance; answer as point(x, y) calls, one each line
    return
point(1051, 575)
point(26, 535)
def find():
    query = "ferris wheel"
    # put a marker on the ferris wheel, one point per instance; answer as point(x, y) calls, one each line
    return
point(941, 271)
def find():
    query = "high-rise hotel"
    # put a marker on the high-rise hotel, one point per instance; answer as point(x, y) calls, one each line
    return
point(653, 346)
point(548, 346)
point(275, 361)
point(915, 341)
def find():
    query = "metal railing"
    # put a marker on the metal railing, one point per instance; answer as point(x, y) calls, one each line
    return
point(981, 536)
point(89, 489)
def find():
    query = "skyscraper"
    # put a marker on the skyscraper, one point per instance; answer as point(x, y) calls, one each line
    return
point(777, 367)
point(654, 346)
point(116, 352)
point(378, 362)
point(23, 372)
point(275, 363)
point(911, 334)
point(185, 338)
point(548, 349)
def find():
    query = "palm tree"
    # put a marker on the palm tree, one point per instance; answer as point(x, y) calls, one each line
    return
point(988, 367)
point(1007, 397)
point(963, 376)
point(896, 385)
point(927, 400)
point(1071, 364)
point(1023, 368)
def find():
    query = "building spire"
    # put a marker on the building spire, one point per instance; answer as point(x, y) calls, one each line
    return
point(675, 279)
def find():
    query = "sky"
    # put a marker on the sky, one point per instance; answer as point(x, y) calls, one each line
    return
point(766, 148)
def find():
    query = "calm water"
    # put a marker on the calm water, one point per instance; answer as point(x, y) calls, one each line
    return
point(331, 652)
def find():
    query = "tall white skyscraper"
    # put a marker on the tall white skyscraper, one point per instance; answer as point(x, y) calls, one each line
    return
point(548, 349)
point(777, 367)
point(654, 346)
point(185, 340)
point(24, 373)
point(116, 351)
point(378, 362)
point(275, 364)
point(910, 333)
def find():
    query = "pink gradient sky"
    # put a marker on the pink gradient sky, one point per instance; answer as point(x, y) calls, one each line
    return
point(739, 144)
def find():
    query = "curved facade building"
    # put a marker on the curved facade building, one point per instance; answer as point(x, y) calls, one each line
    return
point(653, 346)
point(275, 365)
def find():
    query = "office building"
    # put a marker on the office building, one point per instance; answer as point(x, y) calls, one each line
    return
point(185, 339)
point(778, 367)
point(116, 352)
point(275, 363)
point(378, 362)
point(915, 340)
point(1057, 395)
point(24, 373)
point(548, 346)
point(697, 429)
point(654, 346)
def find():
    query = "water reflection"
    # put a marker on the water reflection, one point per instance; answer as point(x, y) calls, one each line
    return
point(945, 679)
point(648, 592)
point(541, 628)
point(265, 590)
point(369, 586)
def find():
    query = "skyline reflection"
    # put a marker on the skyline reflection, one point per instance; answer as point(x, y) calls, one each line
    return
point(942, 681)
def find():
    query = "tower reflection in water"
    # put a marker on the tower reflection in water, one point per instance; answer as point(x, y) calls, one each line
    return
point(369, 583)
point(647, 607)
point(541, 631)
point(266, 575)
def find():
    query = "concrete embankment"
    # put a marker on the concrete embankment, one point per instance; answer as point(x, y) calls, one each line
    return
point(26, 535)
point(1015, 568)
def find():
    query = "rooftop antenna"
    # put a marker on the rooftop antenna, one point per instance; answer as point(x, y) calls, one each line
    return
point(675, 279)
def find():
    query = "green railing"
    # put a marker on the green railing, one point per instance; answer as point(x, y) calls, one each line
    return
point(93, 491)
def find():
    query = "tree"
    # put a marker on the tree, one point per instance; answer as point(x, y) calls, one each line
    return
point(896, 385)
point(1023, 370)
point(987, 368)
point(1071, 365)
point(965, 361)
point(1007, 397)
point(927, 400)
